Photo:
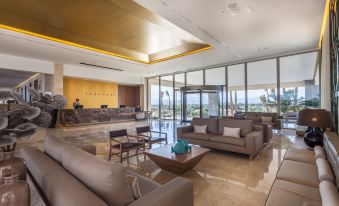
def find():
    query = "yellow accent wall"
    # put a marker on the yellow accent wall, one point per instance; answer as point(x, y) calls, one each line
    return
point(92, 94)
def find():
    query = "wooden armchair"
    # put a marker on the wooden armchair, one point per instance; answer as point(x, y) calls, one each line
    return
point(146, 133)
point(118, 146)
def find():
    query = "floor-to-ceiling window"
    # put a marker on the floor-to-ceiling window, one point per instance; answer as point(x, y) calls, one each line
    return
point(193, 99)
point(179, 82)
point(262, 86)
point(153, 97)
point(195, 78)
point(236, 89)
point(215, 76)
point(166, 97)
point(299, 88)
point(299, 83)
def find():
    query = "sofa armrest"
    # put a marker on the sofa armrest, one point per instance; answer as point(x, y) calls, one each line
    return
point(254, 142)
point(182, 130)
point(178, 192)
point(279, 124)
point(146, 185)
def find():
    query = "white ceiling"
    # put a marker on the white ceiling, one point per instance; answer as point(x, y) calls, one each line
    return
point(281, 25)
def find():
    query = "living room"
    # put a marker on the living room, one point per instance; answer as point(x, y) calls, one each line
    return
point(122, 102)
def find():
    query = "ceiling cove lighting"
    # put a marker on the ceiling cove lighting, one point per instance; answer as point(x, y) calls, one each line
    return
point(323, 27)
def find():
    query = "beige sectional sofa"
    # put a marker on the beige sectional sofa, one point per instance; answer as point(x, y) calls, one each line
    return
point(250, 141)
point(68, 176)
point(308, 177)
point(257, 118)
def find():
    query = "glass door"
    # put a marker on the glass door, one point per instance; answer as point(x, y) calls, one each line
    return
point(200, 101)
point(191, 105)
point(210, 104)
point(178, 106)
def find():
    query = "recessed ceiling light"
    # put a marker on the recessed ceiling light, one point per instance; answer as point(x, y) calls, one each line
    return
point(263, 49)
point(222, 10)
point(249, 9)
point(233, 8)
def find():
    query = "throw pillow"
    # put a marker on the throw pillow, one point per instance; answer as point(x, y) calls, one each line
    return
point(231, 132)
point(201, 129)
point(134, 185)
point(266, 119)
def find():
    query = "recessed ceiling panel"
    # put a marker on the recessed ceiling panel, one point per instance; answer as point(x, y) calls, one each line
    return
point(121, 28)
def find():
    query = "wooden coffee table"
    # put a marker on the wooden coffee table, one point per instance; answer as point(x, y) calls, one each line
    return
point(174, 163)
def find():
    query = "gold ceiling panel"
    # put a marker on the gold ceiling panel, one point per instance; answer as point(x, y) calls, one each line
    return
point(120, 28)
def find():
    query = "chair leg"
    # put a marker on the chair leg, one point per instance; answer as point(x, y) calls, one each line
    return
point(121, 157)
point(127, 156)
point(110, 154)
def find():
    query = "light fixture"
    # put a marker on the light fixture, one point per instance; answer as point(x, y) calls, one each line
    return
point(263, 49)
point(249, 9)
point(233, 8)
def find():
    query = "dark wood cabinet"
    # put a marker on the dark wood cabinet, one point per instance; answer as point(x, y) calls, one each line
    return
point(129, 95)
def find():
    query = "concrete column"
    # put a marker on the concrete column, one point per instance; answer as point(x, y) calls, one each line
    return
point(58, 80)
point(142, 97)
point(49, 83)
point(325, 100)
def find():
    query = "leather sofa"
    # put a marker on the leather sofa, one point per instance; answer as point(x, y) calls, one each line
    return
point(308, 177)
point(250, 142)
point(256, 117)
point(68, 176)
point(267, 128)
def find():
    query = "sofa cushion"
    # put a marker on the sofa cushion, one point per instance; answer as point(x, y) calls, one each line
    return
point(299, 172)
point(329, 194)
point(251, 114)
point(319, 152)
point(197, 136)
point(331, 146)
point(245, 125)
point(201, 129)
point(107, 180)
point(231, 132)
point(59, 186)
point(266, 119)
point(285, 193)
point(324, 170)
point(255, 119)
point(54, 147)
point(229, 140)
point(300, 155)
point(212, 124)
point(268, 114)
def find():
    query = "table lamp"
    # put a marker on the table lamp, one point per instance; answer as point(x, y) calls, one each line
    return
point(317, 120)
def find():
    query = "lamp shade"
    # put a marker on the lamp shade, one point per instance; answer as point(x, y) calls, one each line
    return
point(315, 118)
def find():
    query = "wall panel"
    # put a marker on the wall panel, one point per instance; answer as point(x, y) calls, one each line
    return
point(92, 94)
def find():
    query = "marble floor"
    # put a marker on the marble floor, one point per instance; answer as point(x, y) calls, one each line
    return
point(221, 178)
